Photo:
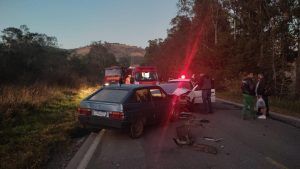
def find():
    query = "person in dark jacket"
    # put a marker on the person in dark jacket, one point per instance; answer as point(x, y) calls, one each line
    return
point(206, 85)
point(248, 90)
point(261, 89)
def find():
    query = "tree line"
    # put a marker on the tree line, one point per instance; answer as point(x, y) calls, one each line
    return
point(227, 37)
point(27, 58)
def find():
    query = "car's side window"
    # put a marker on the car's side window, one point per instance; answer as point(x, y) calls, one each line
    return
point(132, 98)
point(157, 94)
point(142, 95)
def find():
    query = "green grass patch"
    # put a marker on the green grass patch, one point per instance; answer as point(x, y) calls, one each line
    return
point(35, 124)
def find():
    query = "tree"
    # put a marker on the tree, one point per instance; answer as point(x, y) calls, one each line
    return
point(124, 61)
point(226, 37)
point(98, 59)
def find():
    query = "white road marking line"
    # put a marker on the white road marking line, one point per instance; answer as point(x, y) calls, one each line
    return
point(89, 154)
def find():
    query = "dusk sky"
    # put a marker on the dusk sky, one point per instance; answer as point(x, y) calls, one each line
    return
point(77, 23)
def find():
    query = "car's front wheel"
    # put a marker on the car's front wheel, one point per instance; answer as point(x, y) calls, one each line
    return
point(137, 128)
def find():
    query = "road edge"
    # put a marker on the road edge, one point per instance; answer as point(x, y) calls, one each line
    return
point(294, 121)
point(82, 157)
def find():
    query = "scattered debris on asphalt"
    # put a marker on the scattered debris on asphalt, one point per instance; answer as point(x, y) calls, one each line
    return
point(205, 148)
point(180, 142)
point(204, 121)
point(185, 115)
point(184, 136)
point(199, 124)
point(212, 139)
point(192, 121)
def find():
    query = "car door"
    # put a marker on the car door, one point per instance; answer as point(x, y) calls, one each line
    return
point(139, 105)
point(160, 103)
point(195, 95)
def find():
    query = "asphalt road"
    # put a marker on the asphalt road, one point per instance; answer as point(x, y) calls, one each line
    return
point(246, 144)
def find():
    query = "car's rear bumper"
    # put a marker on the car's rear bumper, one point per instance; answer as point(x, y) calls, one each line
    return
point(100, 122)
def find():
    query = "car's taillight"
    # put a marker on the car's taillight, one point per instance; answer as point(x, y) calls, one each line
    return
point(84, 111)
point(116, 115)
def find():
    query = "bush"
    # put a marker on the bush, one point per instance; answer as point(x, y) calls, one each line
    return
point(35, 121)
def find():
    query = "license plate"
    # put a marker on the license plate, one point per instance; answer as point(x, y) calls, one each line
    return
point(99, 113)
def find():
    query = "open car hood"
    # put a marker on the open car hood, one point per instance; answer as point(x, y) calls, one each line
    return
point(180, 91)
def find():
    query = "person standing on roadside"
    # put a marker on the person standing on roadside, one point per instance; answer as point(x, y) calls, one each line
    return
point(248, 90)
point(128, 79)
point(206, 93)
point(262, 91)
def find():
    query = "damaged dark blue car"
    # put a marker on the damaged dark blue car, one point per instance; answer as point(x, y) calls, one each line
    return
point(126, 106)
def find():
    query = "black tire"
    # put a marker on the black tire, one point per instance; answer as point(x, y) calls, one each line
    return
point(136, 128)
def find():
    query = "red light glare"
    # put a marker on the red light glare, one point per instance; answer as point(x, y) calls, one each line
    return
point(192, 46)
point(182, 76)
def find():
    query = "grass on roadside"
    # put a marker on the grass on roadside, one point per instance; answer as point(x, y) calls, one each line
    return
point(35, 121)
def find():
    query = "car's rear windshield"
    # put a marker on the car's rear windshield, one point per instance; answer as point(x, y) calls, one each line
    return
point(109, 95)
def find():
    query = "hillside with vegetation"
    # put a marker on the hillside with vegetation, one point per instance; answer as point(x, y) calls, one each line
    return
point(126, 55)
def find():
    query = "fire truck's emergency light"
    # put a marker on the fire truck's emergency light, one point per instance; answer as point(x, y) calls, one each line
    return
point(182, 76)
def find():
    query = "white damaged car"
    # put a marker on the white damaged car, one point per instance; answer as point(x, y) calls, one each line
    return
point(194, 92)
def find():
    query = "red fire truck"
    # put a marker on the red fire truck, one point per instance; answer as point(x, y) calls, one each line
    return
point(139, 75)
point(143, 74)
point(112, 75)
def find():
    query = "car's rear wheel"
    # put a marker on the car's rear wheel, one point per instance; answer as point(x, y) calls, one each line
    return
point(137, 128)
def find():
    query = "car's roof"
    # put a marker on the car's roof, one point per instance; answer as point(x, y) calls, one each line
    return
point(127, 86)
point(180, 80)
